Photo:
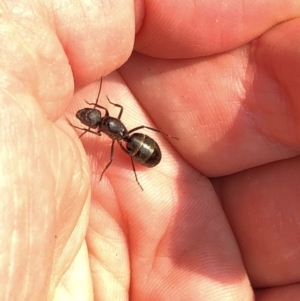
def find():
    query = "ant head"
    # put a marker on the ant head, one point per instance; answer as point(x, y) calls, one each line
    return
point(89, 117)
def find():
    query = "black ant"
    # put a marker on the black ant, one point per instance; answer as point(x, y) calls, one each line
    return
point(140, 147)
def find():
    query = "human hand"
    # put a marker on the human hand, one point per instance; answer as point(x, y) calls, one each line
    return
point(233, 111)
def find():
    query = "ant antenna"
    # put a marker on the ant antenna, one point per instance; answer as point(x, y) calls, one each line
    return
point(98, 93)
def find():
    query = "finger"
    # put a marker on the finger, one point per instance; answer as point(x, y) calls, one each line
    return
point(44, 171)
point(234, 103)
point(199, 28)
point(38, 191)
point(262, 205)
point(277, 116)
point(284, 293)
point(73, 42)
point(97, 36)
point(77, 279)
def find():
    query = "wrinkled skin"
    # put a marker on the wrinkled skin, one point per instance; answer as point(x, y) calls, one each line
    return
point(219, 216)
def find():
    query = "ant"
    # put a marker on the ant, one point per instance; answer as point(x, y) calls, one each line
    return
point(140, 147)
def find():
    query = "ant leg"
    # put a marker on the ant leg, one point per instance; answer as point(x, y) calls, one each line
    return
point(116, 105)
point(111, 158)
point(99, 91)
point(152, 129)
point(136, 178)
point(85, 130)
point(132, 163)
point(98, 106)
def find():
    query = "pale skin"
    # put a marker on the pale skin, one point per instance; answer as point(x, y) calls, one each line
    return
point(218, 217)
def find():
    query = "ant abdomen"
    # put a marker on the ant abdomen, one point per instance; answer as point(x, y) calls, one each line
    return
point(143, 149)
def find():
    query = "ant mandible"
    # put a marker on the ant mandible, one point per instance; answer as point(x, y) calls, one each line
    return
point(140, 147)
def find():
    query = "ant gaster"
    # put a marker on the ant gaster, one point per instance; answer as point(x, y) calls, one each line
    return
point(140, 147)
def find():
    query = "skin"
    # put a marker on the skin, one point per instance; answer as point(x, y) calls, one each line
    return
point(219, 216)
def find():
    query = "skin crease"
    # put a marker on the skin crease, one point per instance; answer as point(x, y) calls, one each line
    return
point(219, 216)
